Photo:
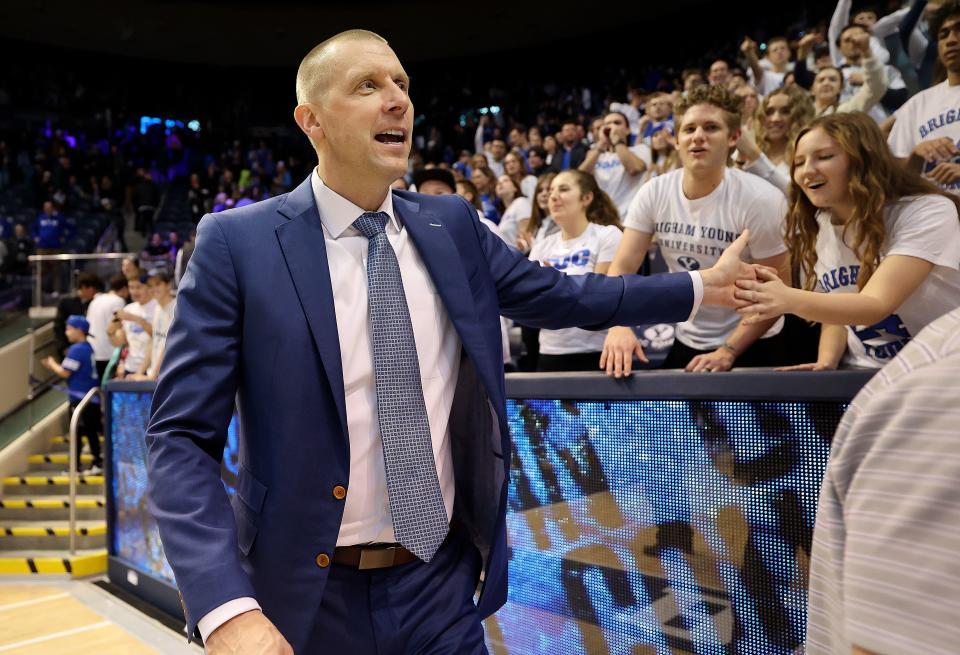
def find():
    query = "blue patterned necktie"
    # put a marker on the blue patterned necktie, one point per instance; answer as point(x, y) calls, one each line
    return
point(416, 504)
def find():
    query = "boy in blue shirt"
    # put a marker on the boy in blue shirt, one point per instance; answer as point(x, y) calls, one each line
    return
point(79, 369)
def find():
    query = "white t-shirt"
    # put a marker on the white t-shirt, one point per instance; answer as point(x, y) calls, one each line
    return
point(528, 186)
point(547, 227)
point(138, 340)
point(876, 111)
point(693, 233)
point(597, 244)
point(926, 227)
point(930, 114)
point(770, 82)
point(162, 318)
point(613, 178)
point(520, 209)
point(99, 313)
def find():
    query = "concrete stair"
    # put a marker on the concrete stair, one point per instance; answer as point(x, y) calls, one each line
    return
point(34, 514)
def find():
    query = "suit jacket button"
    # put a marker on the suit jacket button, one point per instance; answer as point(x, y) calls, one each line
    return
point(339, 492)
point(323, 560)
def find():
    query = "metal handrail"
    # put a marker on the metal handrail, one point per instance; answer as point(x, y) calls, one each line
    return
point(74, 421)
point(38, 261)
point(68, 257)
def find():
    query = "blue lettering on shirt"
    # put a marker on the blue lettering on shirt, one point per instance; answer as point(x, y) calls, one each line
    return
point(938, 121)
point(840, 277)
point(579, 258)
point(609, 163)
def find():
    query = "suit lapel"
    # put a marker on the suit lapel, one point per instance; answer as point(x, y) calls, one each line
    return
point(442, 259)
point(301, 240)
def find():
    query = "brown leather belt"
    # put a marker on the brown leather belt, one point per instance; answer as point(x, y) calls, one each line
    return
point(372, 556)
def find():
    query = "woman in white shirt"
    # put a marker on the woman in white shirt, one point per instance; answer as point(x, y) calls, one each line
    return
point(516, 208)
point(879, 243)
point(588, 238)
point(763, 151)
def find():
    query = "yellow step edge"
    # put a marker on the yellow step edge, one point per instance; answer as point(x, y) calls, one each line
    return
point(62, 439)
point(40, 531)
point(48, 503)
point(77, 565)
point(56, 458)
point(57, 479)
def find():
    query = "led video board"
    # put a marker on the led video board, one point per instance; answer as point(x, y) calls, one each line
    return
point(636, 526)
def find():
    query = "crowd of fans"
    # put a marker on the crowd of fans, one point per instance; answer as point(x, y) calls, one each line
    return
point(670, 173)
point(816, 147)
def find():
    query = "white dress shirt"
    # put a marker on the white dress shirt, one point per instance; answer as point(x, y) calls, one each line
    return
point(366, 512)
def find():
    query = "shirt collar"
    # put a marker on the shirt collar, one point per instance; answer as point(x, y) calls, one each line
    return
point(338, 214)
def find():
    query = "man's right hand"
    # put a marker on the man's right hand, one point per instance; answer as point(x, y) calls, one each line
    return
point(619, 348)
point(248, 633)
point(719, 281)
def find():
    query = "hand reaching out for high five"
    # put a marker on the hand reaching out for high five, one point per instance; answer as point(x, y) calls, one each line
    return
point(765, 297)
point(720, 280)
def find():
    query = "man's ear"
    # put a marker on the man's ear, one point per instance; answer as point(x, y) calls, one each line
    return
point(309, 122)
point(734, 138)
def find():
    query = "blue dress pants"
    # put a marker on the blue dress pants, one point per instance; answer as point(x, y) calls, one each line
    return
point(410, 609)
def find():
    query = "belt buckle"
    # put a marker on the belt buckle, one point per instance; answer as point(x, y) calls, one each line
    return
point(376, 558)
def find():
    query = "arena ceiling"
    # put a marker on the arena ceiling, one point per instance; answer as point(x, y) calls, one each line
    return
point(278, 33)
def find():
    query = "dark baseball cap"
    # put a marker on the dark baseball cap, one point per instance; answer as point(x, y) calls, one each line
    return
point(439, 174)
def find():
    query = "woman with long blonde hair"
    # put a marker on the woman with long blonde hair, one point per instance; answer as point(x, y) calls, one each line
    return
point(763, 149)
point(879, 243)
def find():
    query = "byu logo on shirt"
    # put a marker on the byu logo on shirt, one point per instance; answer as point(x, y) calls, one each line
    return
point(885, 339)
point(688, 263)
point(579, 258)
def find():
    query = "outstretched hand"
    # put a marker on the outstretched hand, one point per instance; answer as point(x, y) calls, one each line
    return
point(765, 297)
point(719, 281)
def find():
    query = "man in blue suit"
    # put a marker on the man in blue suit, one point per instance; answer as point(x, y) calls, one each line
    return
point(356, 331)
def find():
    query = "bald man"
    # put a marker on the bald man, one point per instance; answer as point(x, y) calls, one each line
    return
point(356, 330)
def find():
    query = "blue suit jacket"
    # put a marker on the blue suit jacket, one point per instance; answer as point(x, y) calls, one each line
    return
point(255, 328)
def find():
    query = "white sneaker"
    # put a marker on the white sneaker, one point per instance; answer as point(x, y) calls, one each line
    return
point(93, 470)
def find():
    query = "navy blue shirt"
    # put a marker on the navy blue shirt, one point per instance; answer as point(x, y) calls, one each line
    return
point(49, 230)
point(83, 370)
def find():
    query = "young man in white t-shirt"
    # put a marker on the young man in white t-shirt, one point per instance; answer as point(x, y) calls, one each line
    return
point(768, 78)
point(133, 326)
point(99, 314)
point(927, 129)
point(618, 168)
point(159, 285)
point(696, 212)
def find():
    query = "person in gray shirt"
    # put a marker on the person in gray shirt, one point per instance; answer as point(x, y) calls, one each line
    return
point(885, 570)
